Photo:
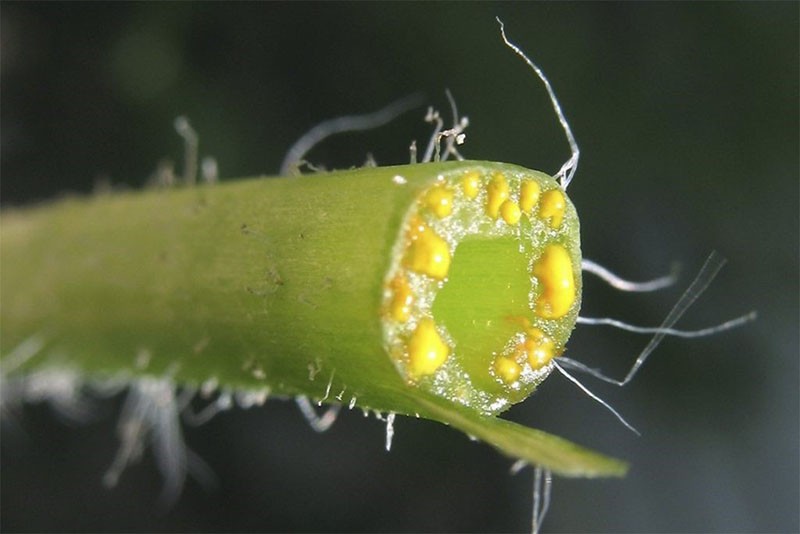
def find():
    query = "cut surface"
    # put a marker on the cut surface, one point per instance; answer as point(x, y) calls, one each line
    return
point(484, 285)
point(480, 305)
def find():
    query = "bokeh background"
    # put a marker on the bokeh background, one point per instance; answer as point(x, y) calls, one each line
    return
point(687, 116)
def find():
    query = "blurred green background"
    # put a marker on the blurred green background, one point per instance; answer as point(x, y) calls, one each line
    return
point(687, 117)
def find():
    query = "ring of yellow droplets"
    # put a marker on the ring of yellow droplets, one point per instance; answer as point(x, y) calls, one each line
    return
point(490, 202)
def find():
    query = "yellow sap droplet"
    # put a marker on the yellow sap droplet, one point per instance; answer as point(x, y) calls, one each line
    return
point(416, 228)
point(552, 207)
point(426, 350)
point(510, 212)
point(507, 369)
point(427, 253)
point(496, 194)
point(557, 280)
point(471, 184)
point(538, 348)
point(528, 195)
point(400, 304)
point(439, 199)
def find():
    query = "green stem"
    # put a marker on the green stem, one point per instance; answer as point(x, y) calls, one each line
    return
point(275, 284)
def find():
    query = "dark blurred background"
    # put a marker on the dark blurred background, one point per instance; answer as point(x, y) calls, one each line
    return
point(687, 117)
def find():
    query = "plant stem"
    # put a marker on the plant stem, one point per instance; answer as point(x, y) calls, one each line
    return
point(253, 284)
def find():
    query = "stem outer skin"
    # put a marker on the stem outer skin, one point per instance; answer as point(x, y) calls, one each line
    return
point(261, 283)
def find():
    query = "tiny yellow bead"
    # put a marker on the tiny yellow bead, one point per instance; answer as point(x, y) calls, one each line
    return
point(427, 253)
point(536, 334)
point(496, 194)
point(416, 228)
point(402, 298)
point(538, 348)
point(510, 212)
point(471, 184)
point(426, 350)
point(528, 195)
point(439, 199)
point(552, 207)
point(507, 369)
point(557, 281)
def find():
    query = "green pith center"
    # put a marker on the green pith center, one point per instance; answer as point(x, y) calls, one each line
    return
point(487, 289)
